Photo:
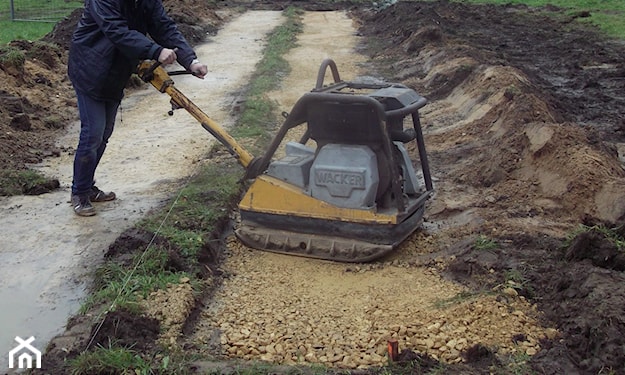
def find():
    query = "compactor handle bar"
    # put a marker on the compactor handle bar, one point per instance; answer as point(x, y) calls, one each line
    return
point(322, 73)
point(154, 74)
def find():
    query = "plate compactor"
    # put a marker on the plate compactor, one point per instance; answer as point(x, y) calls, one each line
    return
point(348, 190)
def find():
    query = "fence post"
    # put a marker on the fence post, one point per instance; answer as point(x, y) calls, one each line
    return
point(12, 11)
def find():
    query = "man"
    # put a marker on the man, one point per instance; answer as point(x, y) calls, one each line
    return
point(110, 40)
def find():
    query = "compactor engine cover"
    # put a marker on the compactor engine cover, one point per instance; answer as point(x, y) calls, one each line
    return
point(345, 176)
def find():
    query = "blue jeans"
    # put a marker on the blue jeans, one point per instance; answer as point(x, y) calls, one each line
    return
point(97, 119)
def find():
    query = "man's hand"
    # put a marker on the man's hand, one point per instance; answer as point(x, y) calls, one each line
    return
point(198, 69)
point(167, 56)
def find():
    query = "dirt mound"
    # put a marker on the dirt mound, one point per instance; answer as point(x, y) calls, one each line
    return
point(126, 329)
point(571, 291)
point(35, 102)
point(522, 153)
point(523, 141)
point(61, 34)
point(587, 302)
point(573, 65)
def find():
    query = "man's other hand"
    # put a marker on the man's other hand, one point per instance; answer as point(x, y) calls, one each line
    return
point(198, 69)
point(167, 56)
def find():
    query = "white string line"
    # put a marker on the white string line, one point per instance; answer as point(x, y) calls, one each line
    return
point(127, 279)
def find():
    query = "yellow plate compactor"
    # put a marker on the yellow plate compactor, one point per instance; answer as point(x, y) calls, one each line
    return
point(348, 190)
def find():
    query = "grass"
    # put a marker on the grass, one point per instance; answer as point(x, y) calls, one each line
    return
point(34, 18)
point(609, 15)
point(515, 279)
point(517, 364)
point(109, 360)
point(13, 30)
point(183, 227)
point(16, 182)
point(198, 210)
point(259, 115)
point(12, 56)
point(483, 243)
point(121, 287)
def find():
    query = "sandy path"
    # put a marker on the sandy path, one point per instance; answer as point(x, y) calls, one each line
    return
point(48, 253)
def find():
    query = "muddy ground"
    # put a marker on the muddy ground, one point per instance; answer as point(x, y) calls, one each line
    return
point(525, 132)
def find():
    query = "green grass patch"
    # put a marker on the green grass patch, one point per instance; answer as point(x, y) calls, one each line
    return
point(109, 360)
point(608, 15)
point(199, 208)
point(259, 115)
point(514, 278)
point(273, 66)
point(33, 19)
point(483, 243)
point(118, 286)
point(517, 364)
point(15, 30)
point(12, 56)
point(17, 182)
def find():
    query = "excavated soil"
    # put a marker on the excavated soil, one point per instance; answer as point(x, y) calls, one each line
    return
point(37, 101)
point(525, 132)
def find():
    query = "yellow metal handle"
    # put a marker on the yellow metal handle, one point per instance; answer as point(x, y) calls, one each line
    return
point(151, 72)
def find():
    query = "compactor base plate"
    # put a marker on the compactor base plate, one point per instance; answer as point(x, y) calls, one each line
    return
point(311, 245)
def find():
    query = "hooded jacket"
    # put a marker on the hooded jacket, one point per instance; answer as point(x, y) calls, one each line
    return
point(112, 37)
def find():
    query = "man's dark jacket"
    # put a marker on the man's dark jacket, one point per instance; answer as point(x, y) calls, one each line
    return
point(110, 40)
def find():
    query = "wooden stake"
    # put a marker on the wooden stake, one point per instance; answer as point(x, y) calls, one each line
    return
point(393, 350)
